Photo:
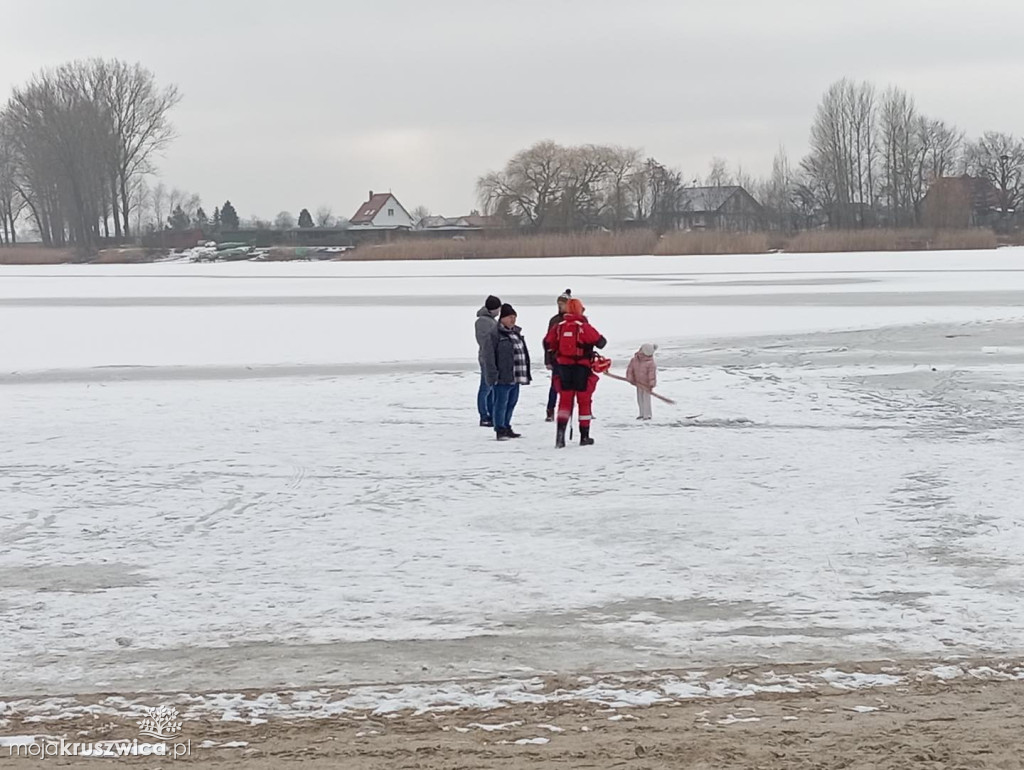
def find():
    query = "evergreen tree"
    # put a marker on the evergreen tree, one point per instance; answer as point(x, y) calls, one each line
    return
point(305, 218)
point(216, 219)
point(178, 220)
point(228, 216)
point(202, 221)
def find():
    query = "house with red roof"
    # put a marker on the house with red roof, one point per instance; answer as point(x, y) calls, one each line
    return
point(381, 211)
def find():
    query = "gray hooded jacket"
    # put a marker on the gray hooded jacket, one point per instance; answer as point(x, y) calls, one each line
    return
point(485, 323)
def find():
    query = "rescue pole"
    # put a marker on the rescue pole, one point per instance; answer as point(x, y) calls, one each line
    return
point(656, 395)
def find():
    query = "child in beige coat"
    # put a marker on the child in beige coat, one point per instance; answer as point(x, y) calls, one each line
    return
point(642, 373)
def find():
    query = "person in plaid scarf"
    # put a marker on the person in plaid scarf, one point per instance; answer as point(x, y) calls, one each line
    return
point(506, 361)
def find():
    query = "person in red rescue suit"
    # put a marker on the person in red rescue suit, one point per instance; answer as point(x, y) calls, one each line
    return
point(573, 340)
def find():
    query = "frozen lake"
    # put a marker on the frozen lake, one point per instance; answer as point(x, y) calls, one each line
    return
point(251, 475)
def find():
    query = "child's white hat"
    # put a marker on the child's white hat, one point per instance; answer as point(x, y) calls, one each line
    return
point(648, 348)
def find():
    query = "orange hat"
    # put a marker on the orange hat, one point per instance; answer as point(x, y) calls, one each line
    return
point(574, 307)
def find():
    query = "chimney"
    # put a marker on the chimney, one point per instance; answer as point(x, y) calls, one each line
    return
point(371, 195)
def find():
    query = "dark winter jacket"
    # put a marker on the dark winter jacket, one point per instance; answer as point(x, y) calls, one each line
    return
point(485, 323)
point(549, 354)
point(498, 360)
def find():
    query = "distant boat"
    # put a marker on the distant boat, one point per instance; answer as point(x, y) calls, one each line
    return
point(235, 253)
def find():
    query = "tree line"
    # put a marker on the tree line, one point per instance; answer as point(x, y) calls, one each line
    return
point(76, 144)
point(873, 157)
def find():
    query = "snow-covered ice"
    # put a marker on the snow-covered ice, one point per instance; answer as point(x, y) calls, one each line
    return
point(268, 475)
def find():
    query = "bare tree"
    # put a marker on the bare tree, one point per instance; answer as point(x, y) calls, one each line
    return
point(580, 198)
point(902, 156)
point(419, 213)
point(58, 130)
point(140, 199)
point(528, 188)
point(11, 201)
point(284, 221)
point(841, 165)
point(999, 159)
point(655, 193)
point(256, 222)
point(80, 133)
point(324, 217)
point(551, 186)
point(191, 205)
point(718, 173)
point(621, 164)
point(139, 111)
point(778, 194)
point(945, 153)
point(161, 204)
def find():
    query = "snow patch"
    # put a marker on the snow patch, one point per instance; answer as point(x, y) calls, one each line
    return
point(855, 680)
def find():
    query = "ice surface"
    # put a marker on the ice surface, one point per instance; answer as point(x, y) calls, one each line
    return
point(283, 484)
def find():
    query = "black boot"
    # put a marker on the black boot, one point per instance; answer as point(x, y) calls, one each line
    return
point(560, 435)
point(511, 433)
point(486, 423)
point(585, 439)
point(551, 416)
point(501, 434)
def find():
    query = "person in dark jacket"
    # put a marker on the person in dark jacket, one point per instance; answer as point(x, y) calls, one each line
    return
point(549, 355)
point(486, 320)
point(506, 368)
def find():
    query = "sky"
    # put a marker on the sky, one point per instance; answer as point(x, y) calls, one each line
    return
point(315, 102)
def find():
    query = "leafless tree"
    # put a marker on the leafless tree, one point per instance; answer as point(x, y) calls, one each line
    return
point(161, 205)
point(419, 213)
point(718, 173)
point(139, 111)
point(256, 222)
point(999, 159)
point(551, 186)
point(622, 165)
point(58, 132)
point(188, 202)
point(529, 187)
point(581, 196)
point(816, 188)
point(778, 194)
point(663, 187)
point(80, 134)
point(902, 156)
point(945, 153)
point(843, 148)
point(140, 202)
point(284, 221)
point(324, 217)
point(11, 201)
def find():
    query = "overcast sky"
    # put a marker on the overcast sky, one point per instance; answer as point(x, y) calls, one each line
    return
point(313, 102)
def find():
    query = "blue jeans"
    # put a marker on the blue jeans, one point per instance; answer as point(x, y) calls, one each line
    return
point(485, 399)
point(505, 399)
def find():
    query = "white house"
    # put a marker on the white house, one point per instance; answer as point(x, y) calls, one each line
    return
point(381, 212)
